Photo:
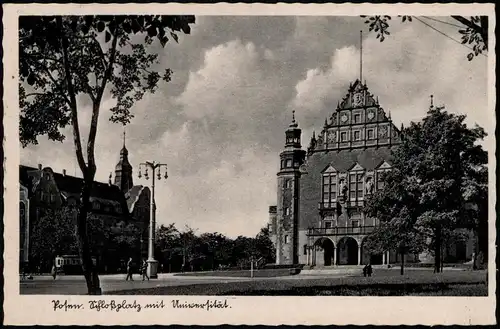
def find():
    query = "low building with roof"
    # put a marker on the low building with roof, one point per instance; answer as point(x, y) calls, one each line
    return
point(113, 202)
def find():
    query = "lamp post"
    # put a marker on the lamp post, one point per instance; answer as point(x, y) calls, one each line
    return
point(154, 166)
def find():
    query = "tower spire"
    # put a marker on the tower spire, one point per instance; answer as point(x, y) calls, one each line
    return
point(123, 136)
point(293, 124)
point(360, 56)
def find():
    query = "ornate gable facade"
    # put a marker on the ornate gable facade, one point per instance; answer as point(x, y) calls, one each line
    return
point(358, 122)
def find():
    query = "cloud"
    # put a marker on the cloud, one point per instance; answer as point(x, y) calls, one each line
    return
point(403, 71)
point(219, 124)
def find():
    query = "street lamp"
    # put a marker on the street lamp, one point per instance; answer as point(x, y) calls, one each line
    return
point(154, 166)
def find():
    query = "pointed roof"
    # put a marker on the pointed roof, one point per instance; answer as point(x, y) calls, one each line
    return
point(357, 87)
point(293, 125)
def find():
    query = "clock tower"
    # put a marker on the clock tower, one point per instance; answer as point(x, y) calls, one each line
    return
point(291, 158)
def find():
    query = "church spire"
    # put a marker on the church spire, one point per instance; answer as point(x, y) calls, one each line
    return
point(123, 169)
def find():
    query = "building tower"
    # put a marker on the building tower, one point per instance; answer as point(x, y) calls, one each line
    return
point(123, 170)
point(291, 158)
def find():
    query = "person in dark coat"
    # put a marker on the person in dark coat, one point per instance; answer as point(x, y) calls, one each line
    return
point(369, 269)
point(144, 270)
point(129, 270)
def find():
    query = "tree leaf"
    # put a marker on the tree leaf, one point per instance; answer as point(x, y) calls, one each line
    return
point(163, 41)
point(127, 27)
point(152, 31)
point(100, 26)
point(107, 37)
point(31, 79)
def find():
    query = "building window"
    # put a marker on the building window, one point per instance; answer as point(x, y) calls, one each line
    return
point(96, 205)
point(305, 249)
point(288, 183)
point(352, 186)
point(381, 179)
point(357, 135)
point(287, 211)
point(343, 136)
point(288, 163)
point(359, 186)
point(356, 185)
point(329, 188)
point(357, 118)
point(328, 225)
point(369, 133)
point(286, 238)
point(355, 223)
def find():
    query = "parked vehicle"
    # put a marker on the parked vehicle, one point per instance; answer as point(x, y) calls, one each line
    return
point(70, 264)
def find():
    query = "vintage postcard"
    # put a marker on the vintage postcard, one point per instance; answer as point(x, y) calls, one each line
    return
point(249, 164)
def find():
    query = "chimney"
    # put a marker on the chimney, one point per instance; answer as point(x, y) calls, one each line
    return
point(39, 166)
point(64, 172)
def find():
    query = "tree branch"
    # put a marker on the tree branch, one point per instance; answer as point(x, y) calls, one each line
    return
point(73, 105)
point(482, 30)
point(34, 94)
point(58, 86)
point(97, 103)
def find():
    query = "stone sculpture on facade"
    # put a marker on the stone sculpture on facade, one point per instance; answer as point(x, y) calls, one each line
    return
point(369, 186)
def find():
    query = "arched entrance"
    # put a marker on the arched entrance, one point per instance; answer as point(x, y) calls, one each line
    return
point(348, 251)
point(324, 251)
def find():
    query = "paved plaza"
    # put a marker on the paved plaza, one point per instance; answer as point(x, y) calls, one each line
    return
point(75, 284)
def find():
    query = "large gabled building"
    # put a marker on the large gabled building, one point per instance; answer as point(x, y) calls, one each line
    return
point(113, 202)
point(319, 218)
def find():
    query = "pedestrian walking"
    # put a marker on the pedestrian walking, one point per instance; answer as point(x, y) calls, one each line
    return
point(129, 270)
point(144, 270)
point(369, 269)
point(53, 272)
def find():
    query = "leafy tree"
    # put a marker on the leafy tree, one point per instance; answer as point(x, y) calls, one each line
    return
point(52, 235)
point(64, 58)
point(265, 247)
point(124, 240)
point(168, 246)
point(395, 206)
point(474, 30)
point(427, 192)
point(217, 248)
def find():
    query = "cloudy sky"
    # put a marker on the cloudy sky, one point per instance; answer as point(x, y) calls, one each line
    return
point(219, 124)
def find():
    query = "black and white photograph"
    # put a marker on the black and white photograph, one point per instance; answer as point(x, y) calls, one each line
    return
point(232, 156)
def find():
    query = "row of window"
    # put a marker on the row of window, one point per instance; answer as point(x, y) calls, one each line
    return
point(332, 187)
point(330, 224)
point(288, 164)
point(370, 135)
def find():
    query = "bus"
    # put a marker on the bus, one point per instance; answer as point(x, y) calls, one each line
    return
point(70, 264)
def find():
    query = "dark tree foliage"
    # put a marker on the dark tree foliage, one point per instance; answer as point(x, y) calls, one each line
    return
point(54, 234)
point(186, 251)
point(474, 31)
point(438, 184)
point(63, 59)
